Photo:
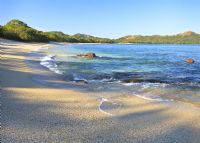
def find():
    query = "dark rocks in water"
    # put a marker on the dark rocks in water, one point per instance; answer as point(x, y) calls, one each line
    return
point(144, 80)
point(88, 55)
point(189, 61)
point(81, 81)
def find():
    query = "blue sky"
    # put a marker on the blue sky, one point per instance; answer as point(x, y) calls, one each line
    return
point(105, 18)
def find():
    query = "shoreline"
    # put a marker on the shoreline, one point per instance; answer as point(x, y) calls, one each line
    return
point(48, 61)
point(36, 112)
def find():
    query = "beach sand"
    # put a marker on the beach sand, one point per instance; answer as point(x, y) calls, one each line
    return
point(33, 112)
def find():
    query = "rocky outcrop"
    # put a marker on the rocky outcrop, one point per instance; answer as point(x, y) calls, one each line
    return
point(88, 55)
point(189, 61)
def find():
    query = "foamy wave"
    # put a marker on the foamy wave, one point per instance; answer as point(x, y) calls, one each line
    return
point(101, 110)
point(130, 84)
point(79, 78)
point(154, 85)
point(108, 79)
point(151, 98)
point(49, 62)
point(146, 84)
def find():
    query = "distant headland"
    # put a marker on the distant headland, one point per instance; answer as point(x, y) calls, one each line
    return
point(20, 31)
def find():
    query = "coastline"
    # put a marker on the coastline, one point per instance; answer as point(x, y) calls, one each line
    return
point(35, 112)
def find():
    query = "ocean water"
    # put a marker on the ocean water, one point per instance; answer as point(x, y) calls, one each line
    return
point(150, 71)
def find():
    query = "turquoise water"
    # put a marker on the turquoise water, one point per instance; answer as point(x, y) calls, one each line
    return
point(151, 71)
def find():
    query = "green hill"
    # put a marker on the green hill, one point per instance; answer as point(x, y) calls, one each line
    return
point(1, 30)
point(57, 36)
point(83, 38)
point(18, 30)
point(182, 38)
point(188, 33)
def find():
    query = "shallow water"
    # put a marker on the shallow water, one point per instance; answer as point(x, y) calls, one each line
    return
point(151, 71)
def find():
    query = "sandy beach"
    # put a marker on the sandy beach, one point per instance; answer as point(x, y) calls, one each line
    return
point(34, 112)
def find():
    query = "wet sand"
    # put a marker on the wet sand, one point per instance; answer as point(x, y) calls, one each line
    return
point(34, 112)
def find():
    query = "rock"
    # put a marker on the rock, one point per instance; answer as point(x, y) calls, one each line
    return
point(189, 61)
point(82, 81)
point(89, 55)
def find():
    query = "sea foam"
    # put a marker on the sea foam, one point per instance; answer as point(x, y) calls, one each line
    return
point(151, 98)
point(49, 62)
point(101, 110)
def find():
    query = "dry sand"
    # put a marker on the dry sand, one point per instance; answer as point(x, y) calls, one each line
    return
point(32, 112)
